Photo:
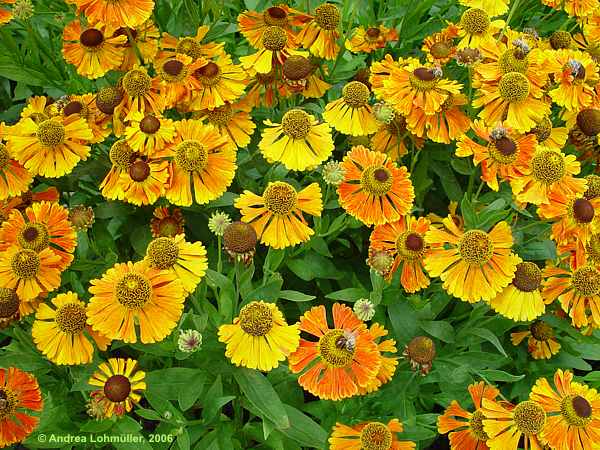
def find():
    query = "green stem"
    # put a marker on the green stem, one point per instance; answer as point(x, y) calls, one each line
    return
point(479, 191)
point(343, 46)
point(513, 8)
point(136, 49)
point(219, 261)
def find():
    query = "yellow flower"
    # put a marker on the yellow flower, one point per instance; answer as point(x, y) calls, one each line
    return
point(148, 134)
point(351, 114)
point(521, 300)
point(259, 337)
point(299, 142)
point(277, 217)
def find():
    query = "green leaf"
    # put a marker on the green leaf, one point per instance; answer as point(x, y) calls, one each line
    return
point(169, 382)
point(468, 213)
point(490, 337)
point(404, 320)
point(499, 375)
point(304, 430)
point(439, 329)
point(312, 266)
point(296, 296)
point(348, 294)
point(262, 396)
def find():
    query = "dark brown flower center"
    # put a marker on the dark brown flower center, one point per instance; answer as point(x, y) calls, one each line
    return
point(173, 67)
point(414, 242)
point(583, 211)
point(117, 388)
point(528, 277)
point(276, 12)
point(91, 37)
point(210, 70)
point(424, 74)
point(582, 407)
point(139, 170)
point(373, 32)
point(381, 175)
point(149, 124)
point(506, 146)
point(588, 121)
point(73, 107)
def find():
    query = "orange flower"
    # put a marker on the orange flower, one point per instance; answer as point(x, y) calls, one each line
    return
point(541, 343)
point(506, 424)
point(505, 153)
point(548, 171)
point(466, 428)
point(440, 47)
point(393, 138)
point(374, 189)
point(165, 223)
point(14, 178)
point(117, 13)
point(145, 181)
point(369, 435)
point(277, 46)
point(145, 38)
point(477, 265)
point(370, 39)
point(141, 94)
point(176, 73)
point(404, 240)
point(42, 225)
point(574, 73)
point(578, 291)
point(344, 357)
point(253, 24)
point(233, 120)
point(388, 363)
point(85, 106)
point(191, 46)
point(446, 125)
point(216, 83)
point(21, 394)
point(93, 51)
point(5, 16)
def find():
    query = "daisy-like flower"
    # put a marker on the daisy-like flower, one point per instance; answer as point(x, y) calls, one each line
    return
point(300, 142)
point(492, 7)
point(417, 86)
point(59, 332)
point(253, 24)
point(573, 411)
point(369, 436)
point(548, 171)
point(578, 291)
point(93, 51)
point(541, 343)
point(465, 428)
point(374, 190)
point(29, 272)
point(505, 425)
point(5, 14)
point(300, 76)
point(145, 38)
point(184, 259)
point(333, 173)
point(393, 137)
point(476, 28)
point(477, 265)
point(521, 300)
point(135, 299)
point(239, 241)
point(573, 216)
point(446, 125)
point(85, 107)
point(259, 337)
point(42, 225)
point(370, 39)
point(81, 217)
point(116, 13)
point(440, 47)
point(51, 148)
point(40, 108)
point(107, 100)
point(21, 395)
point(148, 134)
point(121, 157)
point(320, 34)
point(387, 349)
point(141, 94)
point(233, 121)
point(511, 99)
point(548, 136)
point(189, 341)
point(167, 223)
point(10, 304)
point(176, 75)
point(351, 114)
point(342, 359)
point(216, 83)
point(503, 154)
point(575, 73)
point(218, 222)
point(277, 215)
point(203, 166)
point(144, 181)
point(276, 46)
point(121, 384)
point(191, 46)
point(14, 178)
point(264, 89)
point(404, 240)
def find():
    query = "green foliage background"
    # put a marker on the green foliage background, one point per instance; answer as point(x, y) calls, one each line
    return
point(204, 401)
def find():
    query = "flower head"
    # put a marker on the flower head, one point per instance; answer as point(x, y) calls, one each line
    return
point(218, 222)
point(189, 341)
point(364, 309)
